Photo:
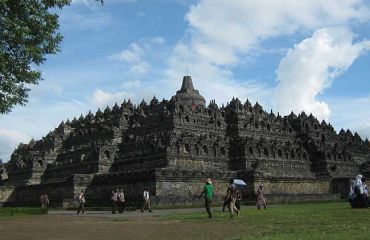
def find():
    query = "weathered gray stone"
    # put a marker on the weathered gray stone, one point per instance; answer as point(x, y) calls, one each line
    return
point(171, 146)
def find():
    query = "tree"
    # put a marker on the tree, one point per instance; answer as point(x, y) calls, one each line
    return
point(28, 32)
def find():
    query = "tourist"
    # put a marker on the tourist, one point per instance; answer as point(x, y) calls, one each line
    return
point(44, 201)
point(231, 198)
point(351, 194)
point(146, 201)
point(208, 196)
point(114, 199)
point(121, 201)
point(365, 194)
point(357, 185)
point(261, 200)
point(358, 192)
point(224, 204)
point(81, 201)
point(238, 199)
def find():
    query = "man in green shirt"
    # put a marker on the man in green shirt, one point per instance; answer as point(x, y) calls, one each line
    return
point(208, 195)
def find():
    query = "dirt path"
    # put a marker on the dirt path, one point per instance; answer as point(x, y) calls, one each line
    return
point(129, 214)
point(104, 225)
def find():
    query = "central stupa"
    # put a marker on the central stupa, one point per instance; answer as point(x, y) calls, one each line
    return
point(187, 95)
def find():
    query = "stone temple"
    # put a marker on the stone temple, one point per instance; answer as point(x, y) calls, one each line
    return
point(173, 145)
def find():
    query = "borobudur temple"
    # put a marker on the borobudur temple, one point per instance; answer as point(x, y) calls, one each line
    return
point(171, 146)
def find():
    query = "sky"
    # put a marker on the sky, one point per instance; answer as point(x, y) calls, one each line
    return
point(287, 55)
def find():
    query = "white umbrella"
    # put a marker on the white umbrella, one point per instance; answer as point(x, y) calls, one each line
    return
point(239, 182)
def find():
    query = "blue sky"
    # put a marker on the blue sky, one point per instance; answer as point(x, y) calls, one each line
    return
point(309, 55)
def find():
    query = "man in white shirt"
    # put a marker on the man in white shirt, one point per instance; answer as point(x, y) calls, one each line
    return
point(146, 200)
point(121, 201)
point(114, 198)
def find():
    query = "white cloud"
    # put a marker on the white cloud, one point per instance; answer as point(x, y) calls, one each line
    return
point(140, 68)
point(137, 55)
point(228, 28)
point(222, 34)
point(102, 98)
point(158, 40)
point(311, 66)
point(131, 84)
point(9, 140)
point(136, 51)
point(132, 54)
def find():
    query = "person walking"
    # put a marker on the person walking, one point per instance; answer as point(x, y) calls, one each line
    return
point(44, 201)
point(365, 194)
point(238, 199)
point(208, 193)
point(261, 200)
point(81, 201)
point(146, 200)
point(114, 199)
point(121, 201)
point(231, 198)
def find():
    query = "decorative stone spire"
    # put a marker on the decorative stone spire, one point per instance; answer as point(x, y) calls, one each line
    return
point(107, 110)
point(89, 116)
point(187, 95)
point(129, 103)
point(342, 132)
point(115, 108)
point(187, 84)
point(247, 104)
point(349, 133)
point(143, 104)
point(212, 104)
point(154, 101)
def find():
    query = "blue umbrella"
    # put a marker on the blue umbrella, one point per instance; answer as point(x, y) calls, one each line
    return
point(239, 182)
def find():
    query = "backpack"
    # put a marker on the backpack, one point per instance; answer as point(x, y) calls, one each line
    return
point(232, 191)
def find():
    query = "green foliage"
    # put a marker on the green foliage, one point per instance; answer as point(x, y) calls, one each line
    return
point(28, 32)
point(6, 211)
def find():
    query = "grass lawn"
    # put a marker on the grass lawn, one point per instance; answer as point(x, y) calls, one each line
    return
point(7, 211)
point(335, 220)
point(300, 221)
